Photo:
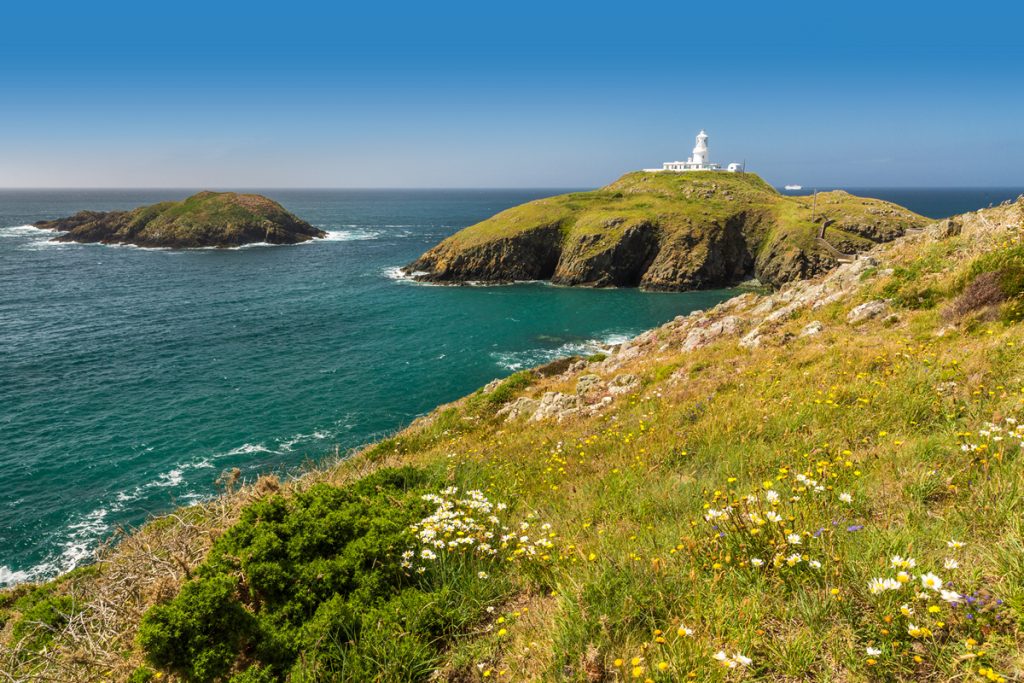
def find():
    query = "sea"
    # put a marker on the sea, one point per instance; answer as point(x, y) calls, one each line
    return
point(130, 379)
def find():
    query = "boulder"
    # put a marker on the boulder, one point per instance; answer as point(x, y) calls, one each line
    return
point(867, 311)
point(556, 405)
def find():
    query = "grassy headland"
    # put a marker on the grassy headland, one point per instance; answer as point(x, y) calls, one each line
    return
point(823, 483)
point(667, 231)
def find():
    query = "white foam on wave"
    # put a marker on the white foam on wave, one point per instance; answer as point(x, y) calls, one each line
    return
point(81, 538)
point(168, 479)
point(16, 230)
point(351, 235)
point(247, 448)
point(517, 360)
point(9, 577)
point(33, 238)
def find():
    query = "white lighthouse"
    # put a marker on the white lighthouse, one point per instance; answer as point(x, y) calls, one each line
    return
point(699, 160)
point(700, 150)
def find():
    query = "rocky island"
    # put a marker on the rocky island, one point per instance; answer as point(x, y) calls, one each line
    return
point(206, 219)
point(667, 231)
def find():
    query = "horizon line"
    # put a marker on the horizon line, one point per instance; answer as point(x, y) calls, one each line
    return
point(227, 188)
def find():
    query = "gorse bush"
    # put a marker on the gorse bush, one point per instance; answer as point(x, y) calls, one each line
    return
point(319, 573)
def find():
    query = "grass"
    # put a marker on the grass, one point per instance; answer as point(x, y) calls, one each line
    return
point(689, 208)
point(742, 502)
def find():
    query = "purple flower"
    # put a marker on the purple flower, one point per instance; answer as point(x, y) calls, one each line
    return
point(855, 527)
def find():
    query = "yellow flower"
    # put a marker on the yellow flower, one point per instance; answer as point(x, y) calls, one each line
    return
point(662, 666)
point(618, 662)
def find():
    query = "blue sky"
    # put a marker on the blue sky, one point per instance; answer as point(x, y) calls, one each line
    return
point(524, 94)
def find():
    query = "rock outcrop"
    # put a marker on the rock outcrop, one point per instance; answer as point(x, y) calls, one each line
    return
point(667, 231)
point(206, 219)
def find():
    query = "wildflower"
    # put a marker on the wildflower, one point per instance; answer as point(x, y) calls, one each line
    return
point(732, 662)
point(873, 651)
point(877, 586)
point(683, 632)
point(951, 563)
point(918, 631)
point(714, 514)
point(794, 559)
point(793, 539)
point(845, 498)
point(756, 562)
point(955, 545)
point(950, 596)
point(771, 496)
point(482, 575)
point(662, 666)
point(903, 577)
point(773, 517)
point(898, 562)
point(814, 564)
point(428, 554)
point(931, 581)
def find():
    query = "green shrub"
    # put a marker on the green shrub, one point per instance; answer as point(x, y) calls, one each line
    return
point(255, 674)
point(143, 674)
point(199, 634)
point(311, 587)
point(42, 615)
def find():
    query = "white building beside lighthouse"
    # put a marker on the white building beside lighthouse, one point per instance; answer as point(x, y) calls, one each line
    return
point(698, 160)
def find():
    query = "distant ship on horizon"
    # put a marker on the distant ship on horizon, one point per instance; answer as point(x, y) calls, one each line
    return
point(794, 187)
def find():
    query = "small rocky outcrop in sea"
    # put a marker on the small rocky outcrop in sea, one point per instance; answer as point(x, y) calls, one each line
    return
point(206, 219)
point(667, 231)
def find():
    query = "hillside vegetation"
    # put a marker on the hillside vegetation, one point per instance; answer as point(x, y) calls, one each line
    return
point(824, 483)
point(667, 231)
point(206, 219)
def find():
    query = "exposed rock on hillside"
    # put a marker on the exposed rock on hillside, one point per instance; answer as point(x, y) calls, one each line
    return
point(666, 231)
point(207, 219)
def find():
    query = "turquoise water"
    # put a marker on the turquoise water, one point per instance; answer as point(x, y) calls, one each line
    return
point(130, 379)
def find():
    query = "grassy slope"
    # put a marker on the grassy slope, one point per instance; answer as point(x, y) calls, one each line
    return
point(882, 411)
point(675, 201)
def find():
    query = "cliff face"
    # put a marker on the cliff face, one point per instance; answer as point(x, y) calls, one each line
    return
point(666, 231)
point(206, 219)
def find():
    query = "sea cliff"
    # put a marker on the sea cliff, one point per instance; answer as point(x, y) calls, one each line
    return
point(667, 231)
